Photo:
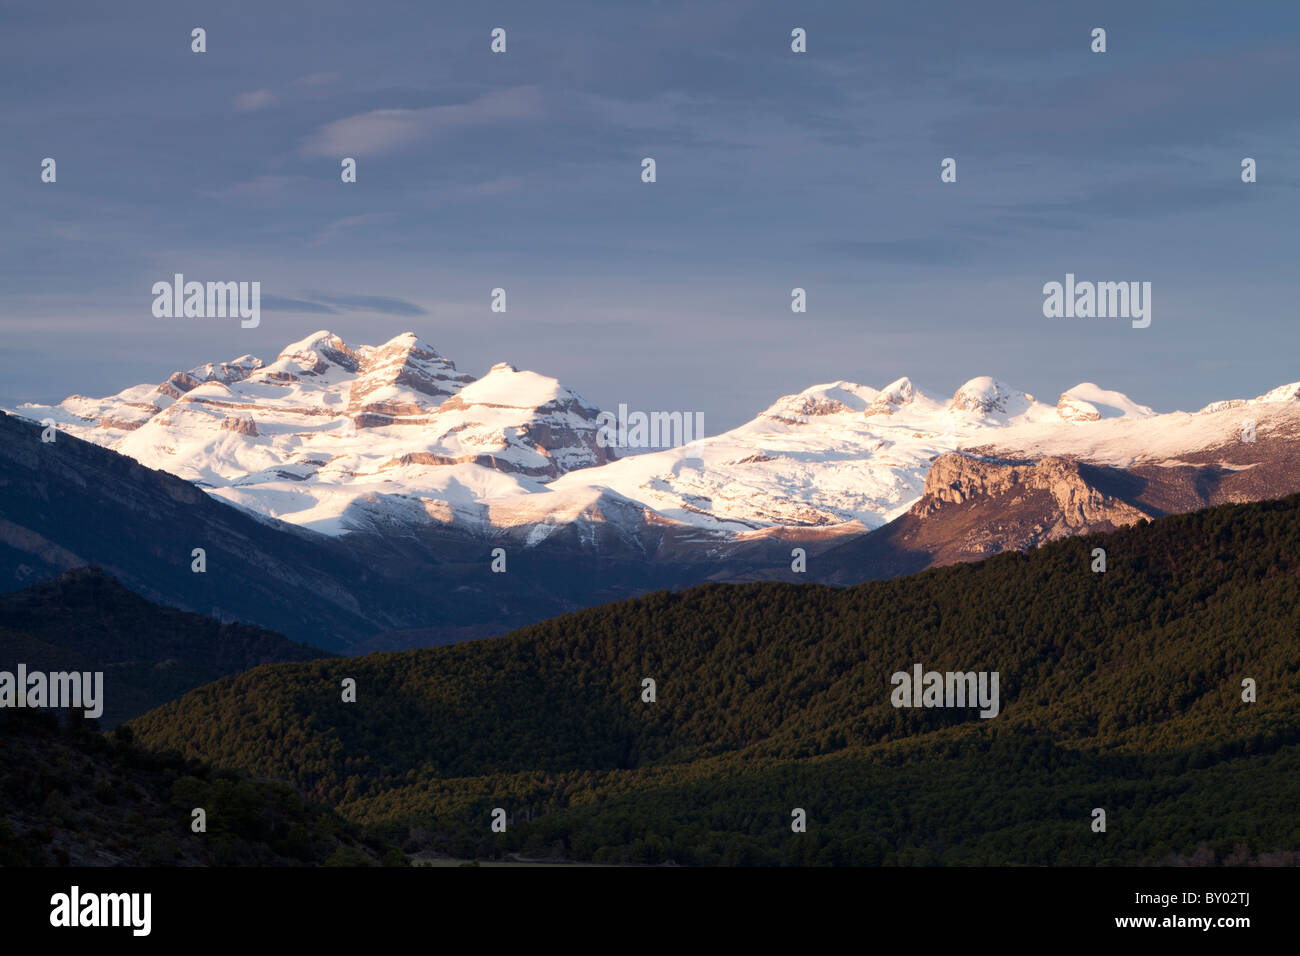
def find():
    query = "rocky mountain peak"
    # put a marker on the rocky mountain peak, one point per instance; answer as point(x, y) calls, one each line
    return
point(892, 397)
point(984, 395)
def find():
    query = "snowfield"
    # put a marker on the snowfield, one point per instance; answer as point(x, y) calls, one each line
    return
point(337, 439)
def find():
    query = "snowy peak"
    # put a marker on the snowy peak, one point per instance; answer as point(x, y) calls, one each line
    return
point(1087, 402)
point(401, 382)
point(134, 407)
point(522, 423)
point(892, 397)
point(505, 386)
point(344, 419)
point(985, 396)
point(836, 398)
point(236, 370)
point(1283, 393)
point(315, 355)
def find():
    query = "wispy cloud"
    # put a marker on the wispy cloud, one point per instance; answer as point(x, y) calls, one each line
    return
point(348, 223)
point(381, 304)
point(496, 187)
point(275, 303)
point(316, 80)
point(256, 100)
point(897, 251)
point(322, 303)
point(382, 131)
point(257, 188)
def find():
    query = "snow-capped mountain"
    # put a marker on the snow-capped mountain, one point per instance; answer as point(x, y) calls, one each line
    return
point(1089, 403)
point(337, 439)
point(848, 453)
point(326, 426)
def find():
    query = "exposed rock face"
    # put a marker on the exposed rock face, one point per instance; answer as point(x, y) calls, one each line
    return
point(813, 406)
point(1073, 410)
point(1283, 393)
point(317, 354)
point(1077, 506)
point(128, 410)
point(973, 507)
point(819, 402)
point(240, 424)
point(401, 382)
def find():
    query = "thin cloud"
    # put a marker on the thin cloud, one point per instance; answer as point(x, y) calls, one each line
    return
point(275, 303)
point(382, 131)
point(314, 80)
point(348, 223)
point(256, 100)
point(896, 251)
point(496, 187)
point(381, 304)
point(257, 188)
point(321, 303)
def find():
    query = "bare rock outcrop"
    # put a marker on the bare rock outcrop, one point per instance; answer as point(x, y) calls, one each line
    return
point(1037, 501)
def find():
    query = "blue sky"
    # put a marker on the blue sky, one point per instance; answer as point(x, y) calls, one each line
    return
point(775, 170)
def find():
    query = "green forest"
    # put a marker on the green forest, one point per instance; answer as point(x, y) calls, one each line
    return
point(1119, 690)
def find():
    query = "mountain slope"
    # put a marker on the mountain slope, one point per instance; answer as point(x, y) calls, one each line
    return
point(1119, 690)
point(72, 797)
point(415, 571)
point(84, 620)
point(67, 504)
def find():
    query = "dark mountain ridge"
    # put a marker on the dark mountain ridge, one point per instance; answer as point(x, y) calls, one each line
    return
point(85, 620)
point(70, 503)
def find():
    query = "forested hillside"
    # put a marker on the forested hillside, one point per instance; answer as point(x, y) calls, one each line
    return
point(85, 620)
point(1120, 690)
point(72, 796)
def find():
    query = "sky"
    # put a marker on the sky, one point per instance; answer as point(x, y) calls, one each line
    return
point(775, 170)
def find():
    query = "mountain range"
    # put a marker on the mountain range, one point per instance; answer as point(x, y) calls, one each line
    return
point(337, 438)
point(352, 497)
